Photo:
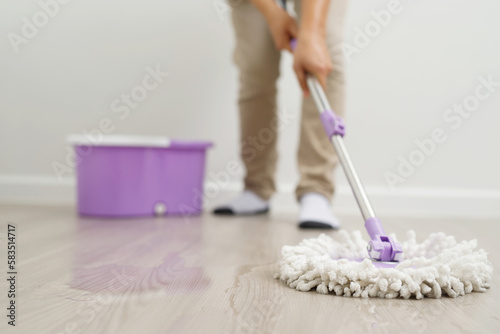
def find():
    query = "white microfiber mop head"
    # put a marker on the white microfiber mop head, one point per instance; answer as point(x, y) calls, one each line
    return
point(438, 266)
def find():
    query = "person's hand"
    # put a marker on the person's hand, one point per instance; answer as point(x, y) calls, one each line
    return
point(283, 28)
point(311, 56)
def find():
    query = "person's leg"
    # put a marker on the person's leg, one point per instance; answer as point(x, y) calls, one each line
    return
point(257, 61)
point(316, 155)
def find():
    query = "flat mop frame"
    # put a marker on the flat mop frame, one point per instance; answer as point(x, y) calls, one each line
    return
point(381, 247)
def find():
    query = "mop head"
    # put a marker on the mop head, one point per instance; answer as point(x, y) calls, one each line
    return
point(436, 267)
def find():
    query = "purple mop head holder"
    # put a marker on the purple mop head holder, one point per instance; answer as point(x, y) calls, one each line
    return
point(381, 247)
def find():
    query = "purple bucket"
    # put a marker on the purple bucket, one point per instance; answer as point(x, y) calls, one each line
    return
point(123, 176)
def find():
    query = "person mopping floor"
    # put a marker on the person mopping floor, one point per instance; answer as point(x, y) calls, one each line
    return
point(262, 30)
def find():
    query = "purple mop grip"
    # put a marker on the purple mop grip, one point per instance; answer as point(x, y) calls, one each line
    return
point(333, 124)
point(381, 247)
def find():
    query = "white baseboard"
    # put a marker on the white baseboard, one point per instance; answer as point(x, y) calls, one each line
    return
point(34, 189)
point(404, 202)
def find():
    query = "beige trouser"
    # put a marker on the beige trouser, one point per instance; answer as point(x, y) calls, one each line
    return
point(258, 62)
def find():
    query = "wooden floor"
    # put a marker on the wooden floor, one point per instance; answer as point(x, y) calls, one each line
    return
point(208, 275)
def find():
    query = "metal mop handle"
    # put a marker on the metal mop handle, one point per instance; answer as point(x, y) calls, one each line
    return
point(336, 136)
point(381, 247)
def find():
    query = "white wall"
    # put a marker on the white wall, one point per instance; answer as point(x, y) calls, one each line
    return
point(427, 58)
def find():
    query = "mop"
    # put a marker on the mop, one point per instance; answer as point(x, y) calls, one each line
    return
point(382, 267)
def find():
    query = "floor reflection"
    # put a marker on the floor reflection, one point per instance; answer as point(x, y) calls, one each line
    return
point(376, 314)
point(134, 255)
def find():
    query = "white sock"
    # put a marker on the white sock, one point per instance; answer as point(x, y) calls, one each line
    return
point(248, 203)
point(316, 212)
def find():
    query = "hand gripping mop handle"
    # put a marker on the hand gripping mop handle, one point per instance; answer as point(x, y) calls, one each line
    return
point(381, 247)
